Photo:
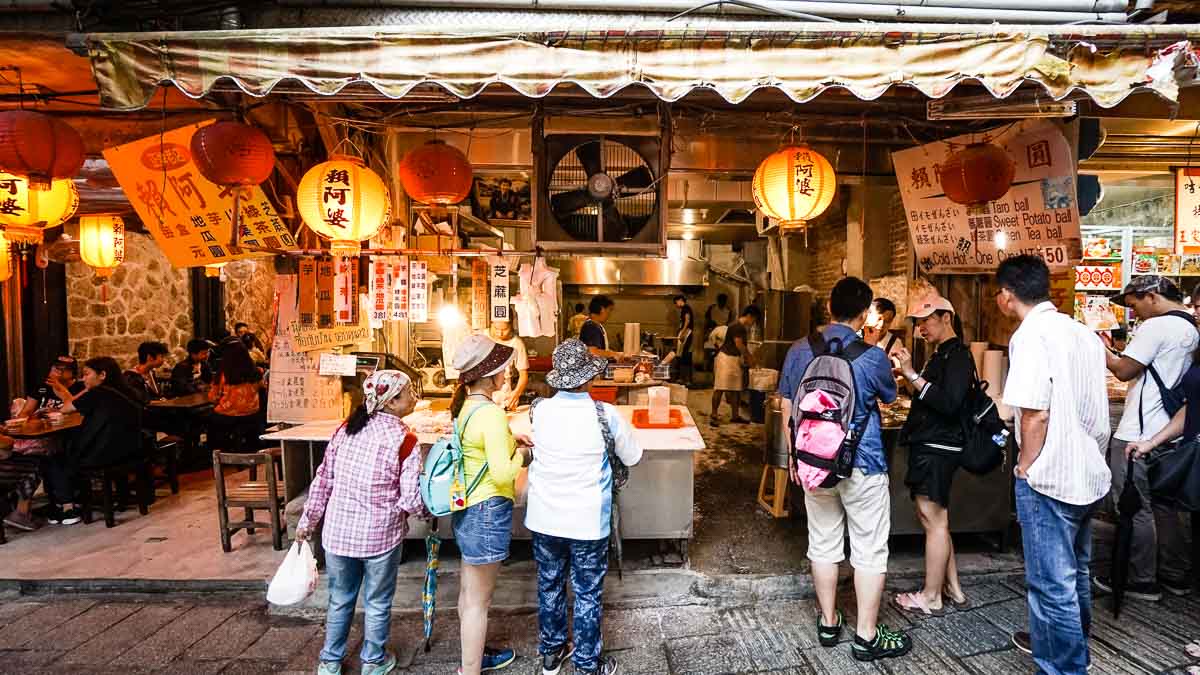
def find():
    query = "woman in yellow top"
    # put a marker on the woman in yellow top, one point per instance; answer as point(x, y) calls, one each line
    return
point(483, 530)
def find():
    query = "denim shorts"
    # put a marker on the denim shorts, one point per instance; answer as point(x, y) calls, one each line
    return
point(484, 531)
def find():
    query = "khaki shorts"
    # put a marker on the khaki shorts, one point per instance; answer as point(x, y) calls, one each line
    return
point(861, 503)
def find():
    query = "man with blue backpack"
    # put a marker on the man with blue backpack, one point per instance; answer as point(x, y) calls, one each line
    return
point(855, 493)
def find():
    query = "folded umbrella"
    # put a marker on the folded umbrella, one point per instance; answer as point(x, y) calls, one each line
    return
point(433, 544)
point(614, 537)
point(1127, 507)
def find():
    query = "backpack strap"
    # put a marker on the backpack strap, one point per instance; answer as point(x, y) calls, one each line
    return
point(619, 470)
point(854, 350)
point(462, 460)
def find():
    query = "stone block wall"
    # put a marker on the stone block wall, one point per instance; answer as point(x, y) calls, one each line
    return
point(899, 241)
point(250, 294)
point(145, 299)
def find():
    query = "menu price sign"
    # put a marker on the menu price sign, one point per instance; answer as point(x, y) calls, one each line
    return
point(325, 292)
point(1187, 211)
point(297, 392)
point(1039, 215)
point(400, 289)
point(380, 291)
point(499, 276)
point(418, 291)
point(190, 218)
point(340, 365)
point(480, 306)
point(308, 291)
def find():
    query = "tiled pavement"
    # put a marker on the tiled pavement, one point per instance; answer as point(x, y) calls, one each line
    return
point(85, 634)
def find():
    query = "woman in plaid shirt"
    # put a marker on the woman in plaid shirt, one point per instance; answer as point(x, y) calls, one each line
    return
point(365, 490)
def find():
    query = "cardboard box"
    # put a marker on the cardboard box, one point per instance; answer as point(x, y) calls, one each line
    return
point(434, 242)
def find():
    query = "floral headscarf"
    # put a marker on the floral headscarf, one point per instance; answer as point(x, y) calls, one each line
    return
point(381, 387)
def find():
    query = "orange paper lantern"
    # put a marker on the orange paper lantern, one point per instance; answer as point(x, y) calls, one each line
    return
point(794, 185)
point(39, 147)
point(232, 153)
point(978, 173)
point(102, 242)
point(436, 173)
point(343, 201)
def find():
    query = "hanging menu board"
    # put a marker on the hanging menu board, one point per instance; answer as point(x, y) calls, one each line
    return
point(418, 291)
point(297, 392)
point(1039, 214)
point(190, 218)
point(1187, 211)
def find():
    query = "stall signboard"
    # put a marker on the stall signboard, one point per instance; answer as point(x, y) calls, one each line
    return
point(380, 291)
point(341, 365)
point(325, 292)
point(500, 299)
point(1098, 277)
point(418, 291)
point(190, 218)
point(1038, 215)
point(308, 290)
point(400, 289)
point(1187, 211)
point(296, 390)
point(311, 339)
point(480, 305)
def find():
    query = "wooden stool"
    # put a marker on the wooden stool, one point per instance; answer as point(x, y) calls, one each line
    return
point(776, 502)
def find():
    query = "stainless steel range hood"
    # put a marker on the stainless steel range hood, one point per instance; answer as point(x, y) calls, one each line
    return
point(619, 272)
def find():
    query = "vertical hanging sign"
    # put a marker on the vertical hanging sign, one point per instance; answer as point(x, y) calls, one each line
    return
point(480, 307)
point(325, 293)
point(343, 292)
point(418, 291)
point(400, 289)
point(379, 291)
point(499, 277)
point(308, 291)
point(1187, 211)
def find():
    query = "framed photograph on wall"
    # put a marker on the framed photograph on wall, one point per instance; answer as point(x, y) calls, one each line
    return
point(503, 195)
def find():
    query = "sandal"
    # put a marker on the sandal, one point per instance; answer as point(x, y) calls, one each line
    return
point(959, 606)
point(829, 636)
point(914, 604)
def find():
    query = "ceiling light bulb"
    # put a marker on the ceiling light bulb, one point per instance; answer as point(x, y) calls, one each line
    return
point(449, 316)
point(688, 236)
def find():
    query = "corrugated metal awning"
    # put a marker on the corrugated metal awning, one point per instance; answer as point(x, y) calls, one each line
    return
point(671, 59)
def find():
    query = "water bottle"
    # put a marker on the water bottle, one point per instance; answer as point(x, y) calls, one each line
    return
point(1001, 439)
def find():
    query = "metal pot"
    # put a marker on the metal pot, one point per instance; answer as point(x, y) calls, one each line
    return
point(778, 442)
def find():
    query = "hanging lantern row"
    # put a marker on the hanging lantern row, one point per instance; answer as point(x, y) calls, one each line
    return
point(436, 173)
point(26, 212)
point(978, 173)
point(233, 154)
point(794, 185)
point(38, 147)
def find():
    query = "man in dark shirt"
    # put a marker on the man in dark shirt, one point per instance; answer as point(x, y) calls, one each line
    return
point(194, 374)
point(505, 203)
point(592, 333)
point(730, 364)
point(142, 378)
point(61, 386)
point(684, 338)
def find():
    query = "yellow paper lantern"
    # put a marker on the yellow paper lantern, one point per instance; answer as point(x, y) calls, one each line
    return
point(25, 212)
point(345, 202)
point(102, 242)
point(794, 185)
point(6, 269)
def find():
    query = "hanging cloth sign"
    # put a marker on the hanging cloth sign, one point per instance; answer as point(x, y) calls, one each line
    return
point(480, 306)
point(399, 285)
point(379, 291)
point(325, 293)
point(308, 291)
point(499, 295)
point(418, 291)
point(343, 292)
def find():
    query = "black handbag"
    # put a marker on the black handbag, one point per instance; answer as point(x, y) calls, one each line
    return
point(1174, 476)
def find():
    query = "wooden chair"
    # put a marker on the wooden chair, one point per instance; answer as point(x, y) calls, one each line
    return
point(251, 495)
point(165, 452)
point(277, 453)
point(775, 502)
point(108, 477)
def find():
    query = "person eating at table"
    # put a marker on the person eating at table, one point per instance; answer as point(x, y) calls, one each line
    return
point(143, 378)
point(61, 385)
point(193, 374)
point(235, 395)
point(110, 434)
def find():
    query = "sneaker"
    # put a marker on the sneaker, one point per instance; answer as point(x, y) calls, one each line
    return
point(606, 666)
point(68, 517)
point(1150, 592)
point(1180, 587)
point(886, 645)
point(387, 665)
point(1023, 642)
point(21, 521)
point(828, 636)
point(552, 662)
point(329, 668)
point(497, 659)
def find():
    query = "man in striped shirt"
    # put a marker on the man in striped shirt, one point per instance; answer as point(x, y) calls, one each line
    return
point(1056, 386)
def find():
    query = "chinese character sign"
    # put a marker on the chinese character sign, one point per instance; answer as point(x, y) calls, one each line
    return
point(400, 289)
point(1187, 211)
point(297, 392)
point(499, 276)
point(308, 291)
point(480, 306)
point(345, 289)
point(325, 293)
point(190, 218)
point(380, 291)
point(1039, 214)
point(418, 291)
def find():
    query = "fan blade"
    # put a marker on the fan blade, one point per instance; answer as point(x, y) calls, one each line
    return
point(637, 179)
point(614, 224)
point(570, 202)
point(589, 157)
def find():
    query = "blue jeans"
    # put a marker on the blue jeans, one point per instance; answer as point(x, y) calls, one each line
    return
point(377, 577)
point(1057, 538)
point(588, 564)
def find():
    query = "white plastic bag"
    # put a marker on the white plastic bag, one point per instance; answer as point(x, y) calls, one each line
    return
point(296, 576)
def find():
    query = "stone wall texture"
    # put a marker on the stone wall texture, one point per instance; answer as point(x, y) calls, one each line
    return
point(250, 294)
point(144, 299)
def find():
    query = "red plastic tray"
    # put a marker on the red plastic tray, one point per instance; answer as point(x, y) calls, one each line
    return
point(641, 419)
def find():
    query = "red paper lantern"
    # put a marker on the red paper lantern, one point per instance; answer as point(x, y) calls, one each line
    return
point(38, 147)
point(436, 173)
point(232, 153)
point(978, 173)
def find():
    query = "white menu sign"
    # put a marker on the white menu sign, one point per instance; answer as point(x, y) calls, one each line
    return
point(399, 285)
point(418, 291)
point(499, 279)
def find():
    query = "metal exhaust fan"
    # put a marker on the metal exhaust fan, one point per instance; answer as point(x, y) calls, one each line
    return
point(599, 192)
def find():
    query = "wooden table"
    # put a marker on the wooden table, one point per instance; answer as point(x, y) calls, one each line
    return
point(186, 402)
point(37, 427)
point(180, 409)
